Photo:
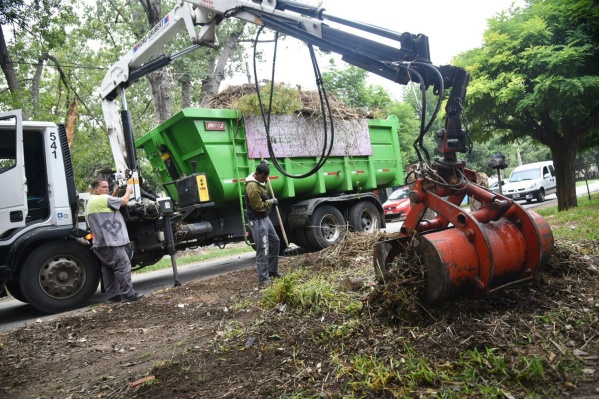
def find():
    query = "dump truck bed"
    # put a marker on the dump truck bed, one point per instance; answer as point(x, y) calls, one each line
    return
point(227, 146)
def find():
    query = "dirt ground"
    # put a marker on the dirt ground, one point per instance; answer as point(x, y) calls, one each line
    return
point(215, 338)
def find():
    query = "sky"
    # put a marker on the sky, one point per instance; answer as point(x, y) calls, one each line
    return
point(451, 26)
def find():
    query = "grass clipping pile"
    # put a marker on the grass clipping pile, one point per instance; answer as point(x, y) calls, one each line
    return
point(325, 330)
point(286, 101)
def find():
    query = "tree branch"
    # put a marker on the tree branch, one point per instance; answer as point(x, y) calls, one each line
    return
point(35, 86)
point(64, 80)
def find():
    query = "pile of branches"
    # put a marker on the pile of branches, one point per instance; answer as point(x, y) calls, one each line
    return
point(397, 297)
point(309, 104)
point(226, 98)
point(355, 250)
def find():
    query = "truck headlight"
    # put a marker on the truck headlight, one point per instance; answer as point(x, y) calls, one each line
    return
point(532, 185)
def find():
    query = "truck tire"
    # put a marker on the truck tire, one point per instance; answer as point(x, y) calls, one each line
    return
point(541, 196)
point(59, 276)
point(301, 239)
point(15, 290)
point(327, 226)
point(364, 217)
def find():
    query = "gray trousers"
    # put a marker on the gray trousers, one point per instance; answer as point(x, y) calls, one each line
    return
point(267, 247)
point(116, 271)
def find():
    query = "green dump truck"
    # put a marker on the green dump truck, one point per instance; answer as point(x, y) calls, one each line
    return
point(204, 155)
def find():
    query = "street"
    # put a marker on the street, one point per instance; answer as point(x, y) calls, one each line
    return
point(14, 313)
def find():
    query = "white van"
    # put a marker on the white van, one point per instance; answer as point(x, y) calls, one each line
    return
point(530, 181)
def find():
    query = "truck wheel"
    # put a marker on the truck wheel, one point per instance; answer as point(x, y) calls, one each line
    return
point(59, 276)
point(15, 290)
point(301, 239)
point(327, 226)
point(364, 217)
point(541, 196)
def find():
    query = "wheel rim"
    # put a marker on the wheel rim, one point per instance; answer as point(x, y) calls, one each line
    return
point(61, 277)
point(329, 226)
point(369, 221)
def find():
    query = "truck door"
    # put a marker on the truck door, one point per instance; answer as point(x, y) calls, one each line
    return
point(13, 202)
point(549, 180)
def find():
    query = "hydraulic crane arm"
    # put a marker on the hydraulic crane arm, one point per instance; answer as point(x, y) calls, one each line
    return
point(399, 57)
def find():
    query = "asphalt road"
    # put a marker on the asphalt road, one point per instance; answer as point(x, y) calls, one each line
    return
point(15, 314)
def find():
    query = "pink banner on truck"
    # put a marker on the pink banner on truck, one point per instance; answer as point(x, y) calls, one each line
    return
point(297, 136)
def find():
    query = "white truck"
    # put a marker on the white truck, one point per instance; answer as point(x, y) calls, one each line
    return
point(45, 259)
point(531, 181)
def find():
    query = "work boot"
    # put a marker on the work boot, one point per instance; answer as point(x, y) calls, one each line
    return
point(275, 274)
point(114, 299)
point(133, 298)
point(264, 283)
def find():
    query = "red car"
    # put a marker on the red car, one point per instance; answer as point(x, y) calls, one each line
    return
point(398, 204)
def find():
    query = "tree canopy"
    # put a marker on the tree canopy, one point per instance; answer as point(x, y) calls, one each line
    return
point(54, 55)
point(537, 76)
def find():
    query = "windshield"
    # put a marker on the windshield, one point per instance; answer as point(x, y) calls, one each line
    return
point(529, 174)
point(400, 194)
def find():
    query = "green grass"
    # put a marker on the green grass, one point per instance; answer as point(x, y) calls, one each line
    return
point(209, 253)
point(300, 290)
point(584, 183)
point(480, 374)
point(580, 223)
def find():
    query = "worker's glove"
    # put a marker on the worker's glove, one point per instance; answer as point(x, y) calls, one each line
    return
point(274, 201)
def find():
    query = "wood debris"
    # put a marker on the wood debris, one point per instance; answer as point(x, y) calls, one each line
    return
point(310, 100)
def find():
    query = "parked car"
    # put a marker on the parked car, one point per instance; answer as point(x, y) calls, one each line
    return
point(397, 205)
point(495, 186)
point(531, 181)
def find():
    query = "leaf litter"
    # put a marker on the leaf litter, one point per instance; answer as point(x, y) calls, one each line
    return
point(154, 349)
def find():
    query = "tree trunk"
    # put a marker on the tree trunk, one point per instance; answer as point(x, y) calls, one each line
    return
point(9, 72)
point(211, 84)
point(7, 66)
point(564, 161)
point(35, 85)
point(185, 91)
point(160, 83)
point(160, 87)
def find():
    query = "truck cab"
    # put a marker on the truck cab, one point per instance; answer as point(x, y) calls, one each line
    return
point(44, 260)
point(32, 167)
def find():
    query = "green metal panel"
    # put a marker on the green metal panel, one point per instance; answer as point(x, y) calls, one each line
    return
point(223, 156)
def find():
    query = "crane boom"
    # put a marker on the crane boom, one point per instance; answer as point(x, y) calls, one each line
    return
point(399, 57)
